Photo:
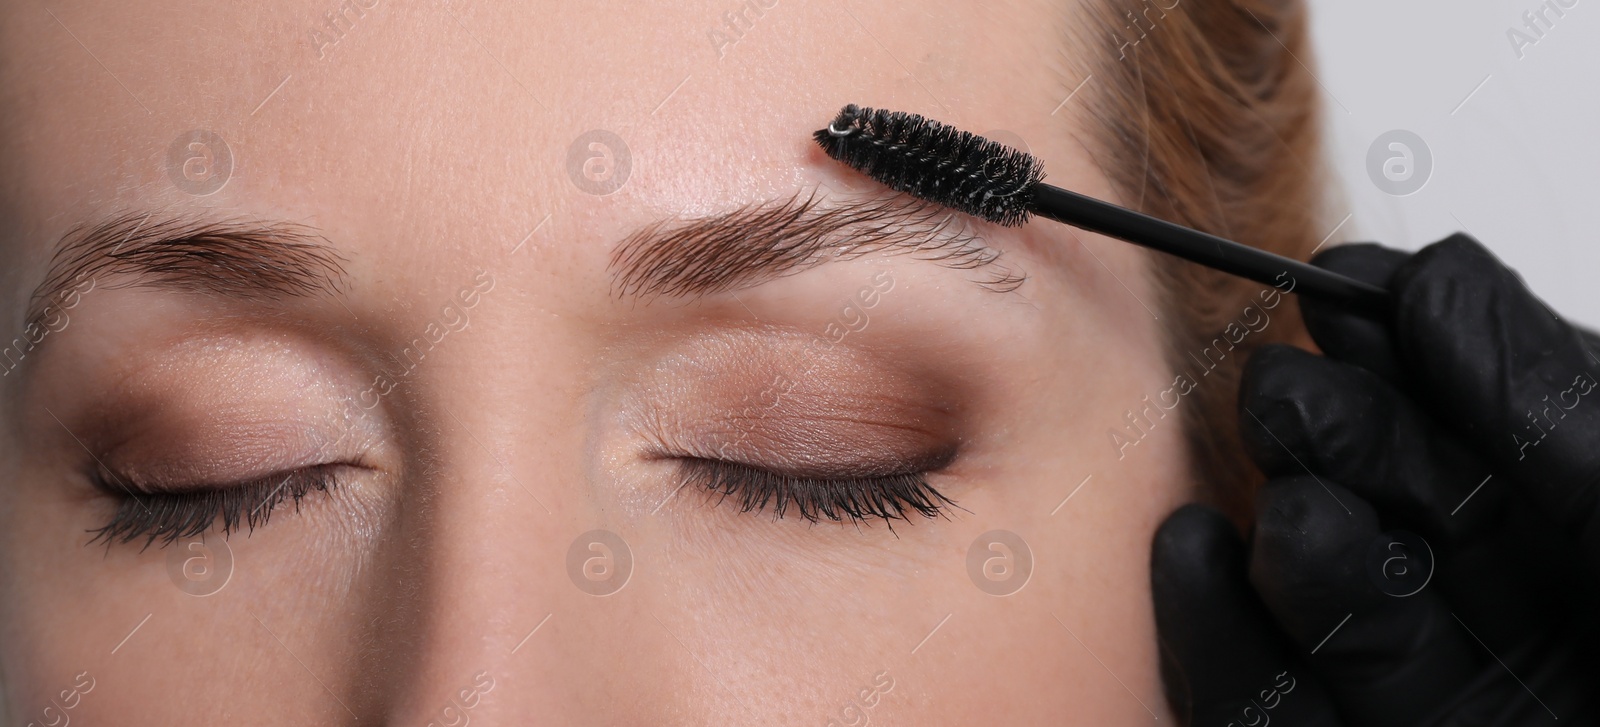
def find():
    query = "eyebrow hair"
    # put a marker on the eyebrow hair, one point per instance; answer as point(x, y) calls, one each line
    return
point(763, 241)
point(235, 258)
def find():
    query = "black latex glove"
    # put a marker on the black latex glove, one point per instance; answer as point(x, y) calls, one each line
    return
point(1422, 424)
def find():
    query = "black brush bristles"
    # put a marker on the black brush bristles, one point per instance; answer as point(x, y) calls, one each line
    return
point(924, 158)
point(992, 181)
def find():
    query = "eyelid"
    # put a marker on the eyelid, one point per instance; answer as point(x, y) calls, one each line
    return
point(849, 498)
point(157, 511)
point(861, 468)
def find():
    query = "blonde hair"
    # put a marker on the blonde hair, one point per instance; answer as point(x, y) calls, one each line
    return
point(1204, 113)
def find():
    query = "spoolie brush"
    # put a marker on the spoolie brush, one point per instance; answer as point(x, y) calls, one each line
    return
point(983, 178)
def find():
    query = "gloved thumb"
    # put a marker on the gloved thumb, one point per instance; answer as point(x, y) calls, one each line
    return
point(1349, 336)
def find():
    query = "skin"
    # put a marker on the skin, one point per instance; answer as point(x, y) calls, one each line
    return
point(424, 145)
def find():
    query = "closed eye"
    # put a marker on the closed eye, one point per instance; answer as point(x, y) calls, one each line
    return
point(857, 499)
point(158, 513)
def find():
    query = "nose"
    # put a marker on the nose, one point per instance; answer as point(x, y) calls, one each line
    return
point(530, 599)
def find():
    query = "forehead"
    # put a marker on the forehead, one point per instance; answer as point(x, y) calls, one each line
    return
point(442, 126)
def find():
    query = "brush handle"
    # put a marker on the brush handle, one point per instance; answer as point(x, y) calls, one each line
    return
point(1209, 250)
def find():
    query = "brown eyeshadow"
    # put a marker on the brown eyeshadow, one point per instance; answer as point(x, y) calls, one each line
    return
point(796, 403)
point(217, 409)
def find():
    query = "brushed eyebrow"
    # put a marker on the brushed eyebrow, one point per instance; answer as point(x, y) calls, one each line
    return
point(763, 241)
point(235, 258)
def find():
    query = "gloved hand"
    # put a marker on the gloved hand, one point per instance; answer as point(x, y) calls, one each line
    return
point(1427, 546)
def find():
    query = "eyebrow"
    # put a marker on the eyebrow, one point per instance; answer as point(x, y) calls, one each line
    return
point(767, 240)
point(235, 258)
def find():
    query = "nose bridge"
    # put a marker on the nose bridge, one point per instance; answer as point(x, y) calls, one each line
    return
point(538, 591)
point(521, 612)
point(486, 609)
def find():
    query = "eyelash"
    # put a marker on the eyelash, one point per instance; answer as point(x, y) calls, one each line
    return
point(146, 511)
point(853, 499)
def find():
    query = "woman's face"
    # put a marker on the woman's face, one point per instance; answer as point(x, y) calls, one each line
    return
point(495, 442)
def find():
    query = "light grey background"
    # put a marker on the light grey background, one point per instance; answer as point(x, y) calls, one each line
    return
point(1515, 159)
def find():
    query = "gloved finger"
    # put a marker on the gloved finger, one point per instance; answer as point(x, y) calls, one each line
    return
point(1304, 413)
point(1492, 362)
point(1349, 337)
point(1223, 659)
point(1383, 642)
